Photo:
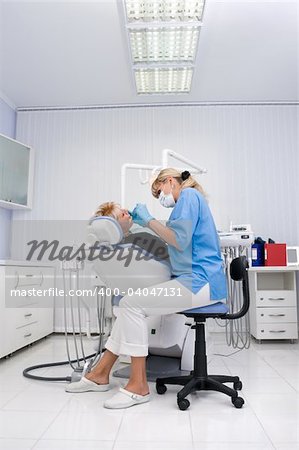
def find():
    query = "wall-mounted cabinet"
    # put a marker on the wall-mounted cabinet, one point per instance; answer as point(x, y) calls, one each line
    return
point(16, 174)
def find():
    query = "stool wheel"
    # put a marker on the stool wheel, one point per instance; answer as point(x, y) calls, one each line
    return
point(183, 404)
point(238, 385)
point(161, 388)
point(238, 402)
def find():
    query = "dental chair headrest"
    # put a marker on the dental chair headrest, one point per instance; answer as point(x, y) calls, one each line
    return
point(104, 231)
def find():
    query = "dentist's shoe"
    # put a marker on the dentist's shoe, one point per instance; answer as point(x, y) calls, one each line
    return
point(125, 399)
point(85, 385)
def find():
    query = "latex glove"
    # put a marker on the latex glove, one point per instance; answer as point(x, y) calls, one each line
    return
point(140, 215)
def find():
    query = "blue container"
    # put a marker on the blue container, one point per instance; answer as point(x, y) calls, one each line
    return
point(258, 255)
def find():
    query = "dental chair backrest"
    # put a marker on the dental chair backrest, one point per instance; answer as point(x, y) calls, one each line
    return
point(123, 267)
point(104, 231)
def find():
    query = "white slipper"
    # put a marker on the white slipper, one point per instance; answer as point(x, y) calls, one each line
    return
point(125, 399)
point(85, 385)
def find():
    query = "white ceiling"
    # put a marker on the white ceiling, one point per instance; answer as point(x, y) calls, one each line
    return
point(64, 53)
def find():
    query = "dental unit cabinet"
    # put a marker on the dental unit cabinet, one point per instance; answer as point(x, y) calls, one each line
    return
point(26, 318)
point(273, 309)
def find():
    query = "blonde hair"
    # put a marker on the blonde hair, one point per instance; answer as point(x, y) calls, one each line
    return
point(109, 209)
point(190, 182)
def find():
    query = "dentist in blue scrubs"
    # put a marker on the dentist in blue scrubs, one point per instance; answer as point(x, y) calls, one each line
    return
point(197, 280)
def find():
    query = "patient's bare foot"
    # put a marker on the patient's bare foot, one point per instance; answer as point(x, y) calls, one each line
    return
point(140, 389)
point(98, 379)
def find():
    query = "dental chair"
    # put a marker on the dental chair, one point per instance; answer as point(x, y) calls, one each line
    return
point(123, 268)
point(199, 379)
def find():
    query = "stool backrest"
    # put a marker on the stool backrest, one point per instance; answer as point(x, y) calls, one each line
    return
point(238, 272)
point(238, 268)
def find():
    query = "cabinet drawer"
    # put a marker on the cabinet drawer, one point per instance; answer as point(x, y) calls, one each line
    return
point(277, 331)
point(26, 335)
point(25, 286)
point(276, 315)
point(20, 277)
point(18, 302)
point(275, 298)
point(24, 316)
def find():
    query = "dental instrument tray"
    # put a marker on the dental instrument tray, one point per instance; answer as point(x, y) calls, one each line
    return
point(236, 238)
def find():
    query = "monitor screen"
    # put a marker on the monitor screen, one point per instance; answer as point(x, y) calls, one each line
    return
point(292, 254)
point(14, 171)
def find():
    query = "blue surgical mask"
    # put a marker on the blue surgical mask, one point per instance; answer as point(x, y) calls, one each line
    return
point(166, 200)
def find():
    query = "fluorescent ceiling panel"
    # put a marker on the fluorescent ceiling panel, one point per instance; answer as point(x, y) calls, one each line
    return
point(163, 81)
point(164, 10)
point(164, 44)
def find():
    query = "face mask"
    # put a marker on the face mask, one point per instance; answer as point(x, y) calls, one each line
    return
point(166, 200)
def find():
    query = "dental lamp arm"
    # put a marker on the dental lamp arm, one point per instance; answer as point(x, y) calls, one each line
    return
point(163, 232)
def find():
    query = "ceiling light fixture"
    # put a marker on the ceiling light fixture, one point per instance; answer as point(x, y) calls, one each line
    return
point(163, 38)
point(163, 80)
point(164, 10)
point(164, 44)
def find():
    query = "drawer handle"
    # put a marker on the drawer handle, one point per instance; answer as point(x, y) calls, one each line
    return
point(29, 275)
point(276, 315)
point(27, 335)
point(28, 315)
point(277, 331)
point(278, 298)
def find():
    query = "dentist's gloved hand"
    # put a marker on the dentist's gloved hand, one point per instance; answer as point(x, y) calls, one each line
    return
point(140, 215)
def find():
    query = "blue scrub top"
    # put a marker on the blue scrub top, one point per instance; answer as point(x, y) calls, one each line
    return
point(198, 261)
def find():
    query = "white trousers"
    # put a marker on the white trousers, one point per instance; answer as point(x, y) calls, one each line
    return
point(129, 335)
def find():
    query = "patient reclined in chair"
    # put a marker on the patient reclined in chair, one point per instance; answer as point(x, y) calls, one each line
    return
point(124, 268)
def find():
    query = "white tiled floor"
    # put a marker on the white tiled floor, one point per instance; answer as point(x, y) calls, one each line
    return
point(41, 416)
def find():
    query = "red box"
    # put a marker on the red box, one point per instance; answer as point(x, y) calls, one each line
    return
point(275, 254)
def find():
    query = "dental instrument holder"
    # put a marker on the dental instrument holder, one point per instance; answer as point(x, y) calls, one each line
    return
point(72, 268)
point(234, 243)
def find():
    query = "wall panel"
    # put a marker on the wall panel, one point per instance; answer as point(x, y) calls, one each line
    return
point(251, 153)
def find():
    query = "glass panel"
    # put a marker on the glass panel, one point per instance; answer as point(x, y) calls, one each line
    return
point(14, 171)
